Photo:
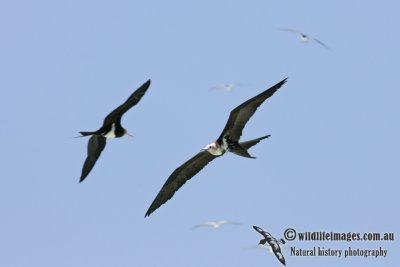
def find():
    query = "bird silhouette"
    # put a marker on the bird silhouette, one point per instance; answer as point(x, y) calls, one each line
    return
point(111, 128)
point(273, 242)
point(306, 38)
point(227, 141)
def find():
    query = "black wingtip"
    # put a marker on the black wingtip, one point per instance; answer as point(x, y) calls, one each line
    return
point(147, 83)
point(264, 137)
point(149, 211)
point(274, 88)
point(81, 179)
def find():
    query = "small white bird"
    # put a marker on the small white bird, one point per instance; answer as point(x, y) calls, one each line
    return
point(215, 224)
point(305, 37)
point(226, 87)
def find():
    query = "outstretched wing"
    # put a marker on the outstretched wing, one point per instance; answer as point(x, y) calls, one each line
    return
point(321, 43)
point(277, 251)
point(96, 145)
point(205, 224)
point(258, 229)
point(227, 222)
point(130, 102)
point(241, 114)
point(291, 30)
point(179, 177)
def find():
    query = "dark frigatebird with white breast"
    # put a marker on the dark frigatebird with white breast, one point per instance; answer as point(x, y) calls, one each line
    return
point(273, 242)
point(227, 141)
point(111, 129)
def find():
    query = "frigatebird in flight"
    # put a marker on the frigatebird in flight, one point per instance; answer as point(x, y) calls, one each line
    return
point(227, 141)
point(111, 129)
point(306, 38)
point(273, 242)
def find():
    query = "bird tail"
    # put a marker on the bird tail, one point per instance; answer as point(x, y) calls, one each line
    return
point(241, 148)
point(87, 133)
point(240, 151)
point(253, 142)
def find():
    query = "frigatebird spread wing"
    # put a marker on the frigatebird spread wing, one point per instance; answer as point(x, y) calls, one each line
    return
point(241, 114)
point(273, 242)
point(116, 114)
point(96, 145)
point(179, 177)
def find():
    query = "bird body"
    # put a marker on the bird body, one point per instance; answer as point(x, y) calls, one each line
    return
point(115, 130)
point(227, 141)
point(217, 149)
point(111, 128)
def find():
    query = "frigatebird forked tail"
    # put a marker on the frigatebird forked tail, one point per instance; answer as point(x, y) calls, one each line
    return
point(250, 143)
point(240, 151)
point(88, 133)
point(241, 148)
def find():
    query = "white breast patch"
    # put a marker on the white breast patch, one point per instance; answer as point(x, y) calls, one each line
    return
point(111, 133)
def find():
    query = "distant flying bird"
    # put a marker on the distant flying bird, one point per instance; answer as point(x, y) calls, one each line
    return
point(305, 37)
point(227, 141)
point(226, 87)
point(214, 224)
point(273, 242)
point(111, 129)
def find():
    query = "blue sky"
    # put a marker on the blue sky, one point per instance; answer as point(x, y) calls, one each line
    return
point(331, 163)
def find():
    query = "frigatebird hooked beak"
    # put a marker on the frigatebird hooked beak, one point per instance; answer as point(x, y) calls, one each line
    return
point(227, 141)
point(111, 129)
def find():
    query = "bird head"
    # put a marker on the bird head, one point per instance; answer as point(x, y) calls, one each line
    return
point(212, 148)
